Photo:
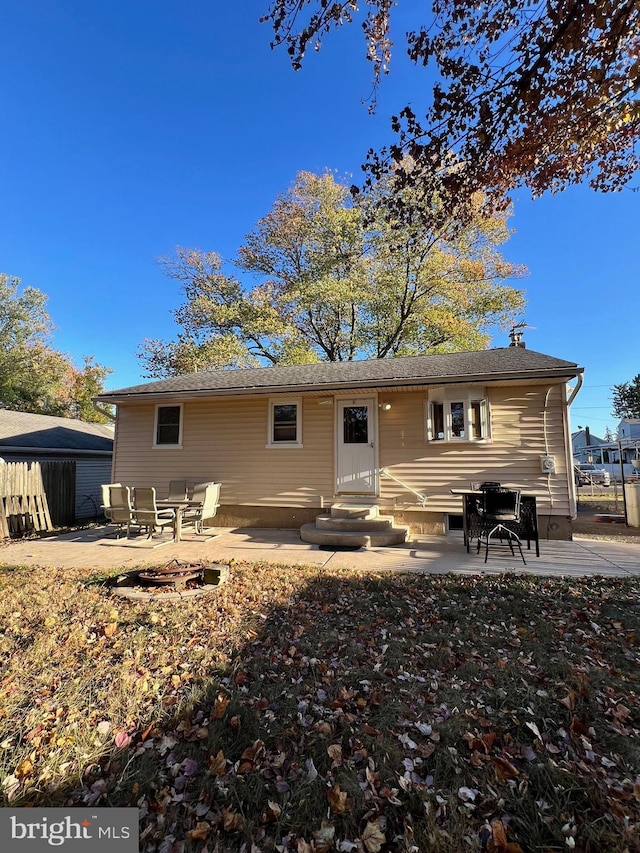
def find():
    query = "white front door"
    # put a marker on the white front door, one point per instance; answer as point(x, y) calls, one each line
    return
point(356, 452)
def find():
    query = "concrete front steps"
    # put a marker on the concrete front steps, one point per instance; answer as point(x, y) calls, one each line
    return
point(352, 525)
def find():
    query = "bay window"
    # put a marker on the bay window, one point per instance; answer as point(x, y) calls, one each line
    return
point(457, 415)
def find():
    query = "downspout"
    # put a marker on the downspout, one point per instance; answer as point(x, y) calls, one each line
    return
point(573, 506)
point(545, 433)
point(575, 390)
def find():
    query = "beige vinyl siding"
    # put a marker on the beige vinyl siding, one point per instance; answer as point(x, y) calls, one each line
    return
point(225, 439)
point(511, 457)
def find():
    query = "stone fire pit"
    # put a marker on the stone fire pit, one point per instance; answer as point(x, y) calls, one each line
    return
point(173, 581)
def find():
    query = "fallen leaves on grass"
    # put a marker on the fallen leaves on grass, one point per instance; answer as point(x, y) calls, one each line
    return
point(373, 837)
point(307, 710)
point(337, 799)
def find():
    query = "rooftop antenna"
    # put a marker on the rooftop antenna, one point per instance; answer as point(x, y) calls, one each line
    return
point(516, 333)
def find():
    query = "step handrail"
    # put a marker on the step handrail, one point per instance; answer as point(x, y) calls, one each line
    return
point(423, 498)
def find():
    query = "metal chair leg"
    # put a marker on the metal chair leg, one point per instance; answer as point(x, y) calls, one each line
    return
point(503, 532)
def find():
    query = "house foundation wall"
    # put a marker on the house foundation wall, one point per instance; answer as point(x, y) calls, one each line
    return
point(419, 522)
point(555, 527)
point(422, 523)
point(433, 523)
point(265, 516)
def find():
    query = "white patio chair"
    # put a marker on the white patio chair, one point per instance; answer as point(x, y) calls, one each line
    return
point(177, 490)
point(195, 491)
point(106, 499)
point(207, 496)
point(118, 508)
point(146, 512)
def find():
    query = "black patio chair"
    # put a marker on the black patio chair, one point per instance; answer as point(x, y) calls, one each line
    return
point(497, 509)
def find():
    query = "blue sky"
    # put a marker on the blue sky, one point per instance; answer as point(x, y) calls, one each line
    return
point(131, 127)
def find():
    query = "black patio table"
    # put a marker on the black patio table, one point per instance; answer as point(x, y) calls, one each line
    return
point(525, 529)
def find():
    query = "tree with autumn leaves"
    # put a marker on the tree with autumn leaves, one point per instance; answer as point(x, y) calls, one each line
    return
point(340, 279)
point(521, 93)
point(35, 377)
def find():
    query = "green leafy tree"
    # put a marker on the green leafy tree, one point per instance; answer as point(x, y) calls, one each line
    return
point(221, 325)
point(34, 377)
point(339, 280)
point(626, 399)
point(432, 288)
point(519, 93)
point(24, 326)
point(312, 249)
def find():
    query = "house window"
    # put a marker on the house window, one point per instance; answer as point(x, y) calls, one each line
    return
point(285, 423)
point(456, 416)
point(437, 421)
point(478, 426)
point(458, 420)
point(168, 427)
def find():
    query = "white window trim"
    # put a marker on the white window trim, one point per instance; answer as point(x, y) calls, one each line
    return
point(177, 446)
point(446, 396)
point(285, 401)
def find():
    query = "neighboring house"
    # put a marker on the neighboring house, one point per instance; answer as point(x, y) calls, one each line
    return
point(589, 448)
point(582, 443)
point(629, 437)
point(629, 428)
point(288, 442)
point(27, 437)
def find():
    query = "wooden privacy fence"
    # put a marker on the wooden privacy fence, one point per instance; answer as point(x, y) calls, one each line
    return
point(35, 496)
point(59, 481)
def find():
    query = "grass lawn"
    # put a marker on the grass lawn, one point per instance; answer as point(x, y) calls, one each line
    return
point(307, 710)
point(601, 498)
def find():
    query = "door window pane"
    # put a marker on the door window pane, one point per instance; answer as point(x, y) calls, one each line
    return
point(355, 420)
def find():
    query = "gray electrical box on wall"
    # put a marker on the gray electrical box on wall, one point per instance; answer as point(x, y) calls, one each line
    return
point(548, 464)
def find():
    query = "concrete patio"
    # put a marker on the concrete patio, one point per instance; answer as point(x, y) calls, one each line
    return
point(97, 548)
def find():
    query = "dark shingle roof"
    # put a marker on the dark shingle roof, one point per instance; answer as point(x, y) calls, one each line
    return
point(508, 362)
point(23, 429)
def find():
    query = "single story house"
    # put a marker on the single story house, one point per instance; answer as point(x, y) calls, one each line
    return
point(288, 442)
point(26, 437)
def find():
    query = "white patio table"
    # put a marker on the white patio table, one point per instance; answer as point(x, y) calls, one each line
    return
point(179, 508)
